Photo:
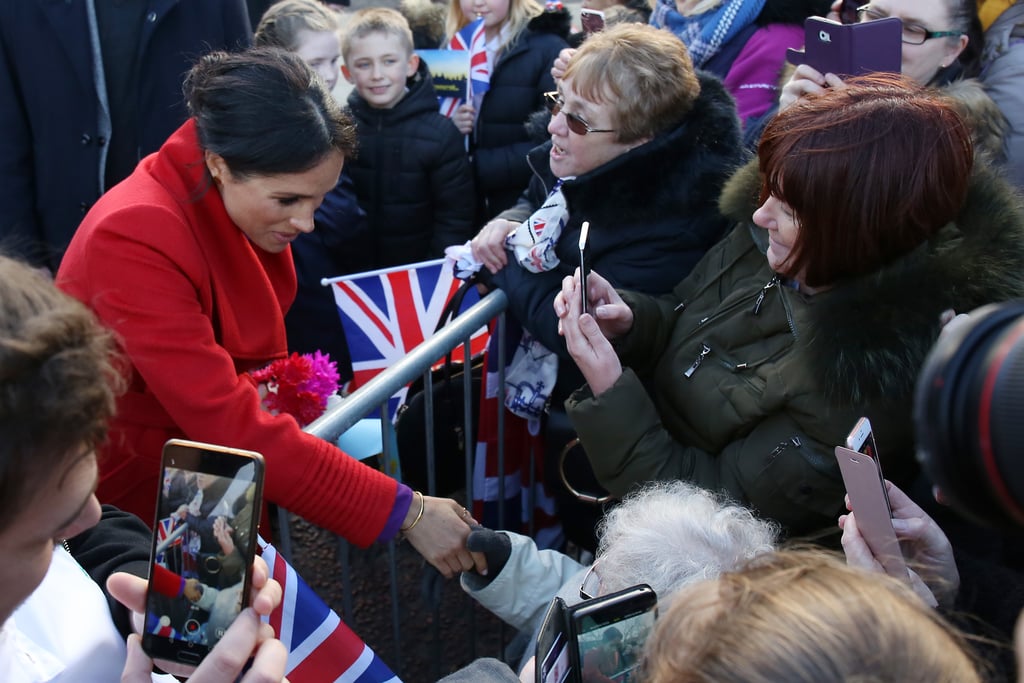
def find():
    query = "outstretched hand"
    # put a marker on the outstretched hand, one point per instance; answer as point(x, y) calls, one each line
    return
point(440, 537)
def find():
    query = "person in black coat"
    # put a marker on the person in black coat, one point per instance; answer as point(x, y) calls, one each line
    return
point(86, 90)
point(412, 175)
point(644, 166)
point(525, 42)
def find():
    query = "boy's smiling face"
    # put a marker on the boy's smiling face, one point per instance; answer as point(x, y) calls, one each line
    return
point(378, 65)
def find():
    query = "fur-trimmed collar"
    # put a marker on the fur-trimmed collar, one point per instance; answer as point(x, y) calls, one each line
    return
point(870, 334)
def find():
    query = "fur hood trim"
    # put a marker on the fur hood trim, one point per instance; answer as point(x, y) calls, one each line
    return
point(872, 333)
point(556, 21)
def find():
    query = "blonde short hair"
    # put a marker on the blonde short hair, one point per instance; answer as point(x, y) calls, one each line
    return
point(281, 24)
point(803, 616)
point(645, 73)
point(384, 20)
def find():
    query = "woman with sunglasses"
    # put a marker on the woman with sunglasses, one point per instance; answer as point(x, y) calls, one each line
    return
point(640, 147)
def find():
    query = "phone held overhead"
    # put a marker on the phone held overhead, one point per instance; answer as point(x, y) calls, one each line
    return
point(851, 49)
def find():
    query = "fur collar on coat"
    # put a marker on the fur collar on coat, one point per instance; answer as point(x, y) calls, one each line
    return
point(891, 317)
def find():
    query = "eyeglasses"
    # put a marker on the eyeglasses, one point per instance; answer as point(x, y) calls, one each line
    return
point(577, 125)
point(912, 33)
point(591, 585)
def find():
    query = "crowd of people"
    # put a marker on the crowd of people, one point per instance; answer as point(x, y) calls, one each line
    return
point(772, 252)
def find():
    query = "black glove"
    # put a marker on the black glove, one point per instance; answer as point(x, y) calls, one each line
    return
point(496, 547)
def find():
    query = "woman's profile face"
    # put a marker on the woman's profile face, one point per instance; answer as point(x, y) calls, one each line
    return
point(321, 50)
point(778, 219)
point(922, 62)
point(573, 154)
point(273, 210)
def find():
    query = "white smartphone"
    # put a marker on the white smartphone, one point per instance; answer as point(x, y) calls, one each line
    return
point(591, 20)
point(203, 545)
point(865, 484)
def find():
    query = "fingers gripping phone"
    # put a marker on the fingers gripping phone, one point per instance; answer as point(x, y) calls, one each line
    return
point(203, 546)
point(862, 476)
point(595, 640)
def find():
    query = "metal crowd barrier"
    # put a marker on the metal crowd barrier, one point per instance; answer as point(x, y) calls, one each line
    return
point(374, 395)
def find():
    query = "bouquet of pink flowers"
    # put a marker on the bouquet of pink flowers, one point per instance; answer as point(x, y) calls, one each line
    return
point(298, 385)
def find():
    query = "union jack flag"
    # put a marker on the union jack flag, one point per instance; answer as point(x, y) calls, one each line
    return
point(386, 313)
point(470, 37)
point(321, 647)
point(165, 528)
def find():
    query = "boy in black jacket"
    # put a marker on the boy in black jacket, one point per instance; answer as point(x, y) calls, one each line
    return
point(412, 175)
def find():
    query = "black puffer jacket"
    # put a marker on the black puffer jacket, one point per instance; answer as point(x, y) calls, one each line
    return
point(500, 140)
point(412, 177)
point(653, 212)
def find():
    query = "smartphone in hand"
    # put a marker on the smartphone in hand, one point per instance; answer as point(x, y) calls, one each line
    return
point(203, 546)
point(584, 271)
point(862, 476)
point(851, 49)
point(611, 628)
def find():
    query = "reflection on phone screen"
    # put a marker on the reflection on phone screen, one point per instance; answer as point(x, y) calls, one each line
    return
point(199, 573)
point(612, 650)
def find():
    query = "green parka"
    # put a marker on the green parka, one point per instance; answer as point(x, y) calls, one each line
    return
point(740, 383)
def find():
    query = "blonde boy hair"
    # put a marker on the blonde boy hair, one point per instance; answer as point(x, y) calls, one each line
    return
point(281, 24)
point(384, 20)
point(644, 73)
point(520, 13)
point(803, 616)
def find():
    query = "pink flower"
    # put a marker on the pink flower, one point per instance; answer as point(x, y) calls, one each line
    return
point(299, 385)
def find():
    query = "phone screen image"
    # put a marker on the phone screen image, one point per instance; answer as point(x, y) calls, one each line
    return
point(591, 20)
point(203, 546)
point(610, 636)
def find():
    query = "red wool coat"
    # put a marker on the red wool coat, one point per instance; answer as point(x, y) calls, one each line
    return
point(195, 306)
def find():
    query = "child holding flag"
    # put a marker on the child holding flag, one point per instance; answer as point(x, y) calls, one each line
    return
point(513, 44)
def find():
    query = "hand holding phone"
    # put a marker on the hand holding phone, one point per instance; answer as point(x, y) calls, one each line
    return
point(865, 485)
point(851, 49)
point(198, 583)
point(596, 639)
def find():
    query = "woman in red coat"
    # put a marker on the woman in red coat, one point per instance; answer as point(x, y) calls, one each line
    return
point(188, 260)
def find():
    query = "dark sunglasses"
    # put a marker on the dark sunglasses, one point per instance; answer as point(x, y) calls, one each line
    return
point(577, 125)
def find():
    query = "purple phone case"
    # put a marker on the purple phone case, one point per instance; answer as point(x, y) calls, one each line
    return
point(851, 49)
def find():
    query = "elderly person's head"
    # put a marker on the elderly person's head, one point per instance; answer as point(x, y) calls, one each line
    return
point(803, 617)
point(625, 86)
point(273, 137)
point(671, 534)
point(858, 177)
point(935, 32)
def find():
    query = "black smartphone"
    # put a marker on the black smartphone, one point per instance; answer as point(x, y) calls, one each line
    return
point(595, 640)
point(609, 633)
point(203, 546)
point(584, 271)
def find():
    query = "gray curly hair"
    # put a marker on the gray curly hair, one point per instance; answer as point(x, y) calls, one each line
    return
point(670, 534)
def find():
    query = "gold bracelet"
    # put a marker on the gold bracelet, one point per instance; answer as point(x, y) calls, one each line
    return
point(419, 515)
